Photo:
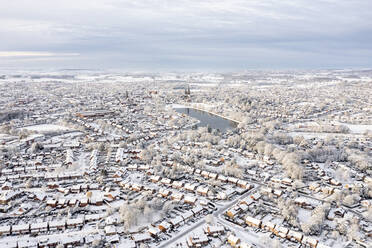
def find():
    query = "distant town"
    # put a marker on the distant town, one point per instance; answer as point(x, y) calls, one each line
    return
point(135, 160)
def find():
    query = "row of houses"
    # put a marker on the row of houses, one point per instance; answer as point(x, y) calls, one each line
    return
point(67, 240)
point(164, 193)
point(219, 177)
point(42, 227)
point(154, 231)
point(284, 232)
point(45, 176)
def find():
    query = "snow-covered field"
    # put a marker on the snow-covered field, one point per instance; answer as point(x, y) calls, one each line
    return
point(46, 128)
point(175, 106)
point(358, 129)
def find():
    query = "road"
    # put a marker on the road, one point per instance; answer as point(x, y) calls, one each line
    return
point(242, 233)
point(216, 214)
point(239, 231)
point(183, 233)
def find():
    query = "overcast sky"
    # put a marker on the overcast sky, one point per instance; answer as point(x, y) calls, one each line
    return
point(186, 34)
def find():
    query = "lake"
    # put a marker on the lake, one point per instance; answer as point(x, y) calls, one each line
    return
point(206, 119)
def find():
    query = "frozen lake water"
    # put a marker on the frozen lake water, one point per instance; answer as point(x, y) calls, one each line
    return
point(207, 119)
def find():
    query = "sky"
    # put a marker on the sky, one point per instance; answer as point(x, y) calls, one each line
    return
point(176, 35)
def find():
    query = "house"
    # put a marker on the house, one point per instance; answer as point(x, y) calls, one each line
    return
point(39, 227)
point(164, 226)
point(287, 181)
point(233, 240)
point(190, 199)
point(233, 180)
point(177, 184)
point(83, 202)
point(212, 175)
point(176, 222)
point(177, 196)
point(6, 186)
point(268, 226)
point(278, 192)
point(197, 240)
point(164, 192)
point(190, 187)
point(303, 202)
point(4, 208)
point(155, 179)
point(92, 217)
point(295, 236)
point(57, 225)
point(111, 195)
point(73, 223)
point(334, 182)
point(244, 184)
point(72, 202)
point(137, 187)
point(221, 195)
point(222, 178)
point(61, 203)
point(149, 189)
point(266, 190)
point(312, 242)
point(132, 167)
point(204, 174)
point(5, 230)
point(282, 231)
point(256, 196)
point(126, 243)
point(166, 181)
point(118, 175)
point(187, 215)
point(52, 203)
point(197, 210)
point(71, 240)
point(110, 230)
point(250, 221)
point(245, 245)
point(314, 186)
point(202, 190)
point(119, 154)
point(214, 231)
point(190, 170)
point(232, 212)
point(144, 168)
point(7, 196)
point(141, 238)
point(21, 229)
point(113, 238)
point(154, 232)
point(328, 190)
point(76, 188)
point(53, 185)
point(248, 201)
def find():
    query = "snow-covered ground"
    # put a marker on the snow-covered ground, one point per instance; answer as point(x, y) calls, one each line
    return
point(46, 128)
point(310, 135)
point(358, 129)
point(204, 85)
point(175, 106)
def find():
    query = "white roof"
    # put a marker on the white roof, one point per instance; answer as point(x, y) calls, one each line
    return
point(39, 225)
point(141, 237)
point(233, 238)
point(252, 220)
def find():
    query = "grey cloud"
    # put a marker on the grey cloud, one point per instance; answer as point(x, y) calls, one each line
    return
point(190, 33)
